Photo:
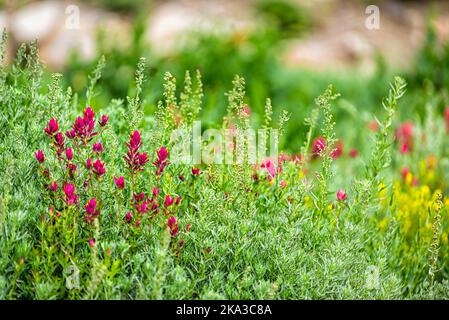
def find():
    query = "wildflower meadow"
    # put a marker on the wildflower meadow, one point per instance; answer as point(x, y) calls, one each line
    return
point(169, 192)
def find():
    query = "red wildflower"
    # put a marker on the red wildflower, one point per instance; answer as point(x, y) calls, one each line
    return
point(353, 153)
point(161, 161)
point(70, 196)
point(139, 197)
point(341, 195)
point(54, 186)
point(97, 147)
point(52, 127)
point(373, 126)
point(195, 171)
point(135, 160)
point(129, 216)
point(83, 127)
point(39, 156)
point(99, 169)
point(91, 243)
point(173, 226)
point(155, 192)
point(119, 182)
point(168, 200)
point(142, 207)
point(404, 134)
point(404, 148)
point(318, 146)
point(270, 167)
point(59, 140)
point(338, 150)
point(104, 120)
point(69, 154)
point(91, 210)
point(70, 134)
point(88, 164)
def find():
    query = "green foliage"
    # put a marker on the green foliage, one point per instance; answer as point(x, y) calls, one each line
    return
point(251, 234)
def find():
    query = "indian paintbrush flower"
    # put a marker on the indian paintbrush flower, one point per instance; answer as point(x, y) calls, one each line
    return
point(119, 182)
point(53, 186)
point(318, 146)
point(52, 127)
point(97, 147)
point(70, 196)
point(103, 121)
point(69, 154)
point(341, 195)
point(172, 226)
point(39, 155)
point(161, 161)
point(135, 160)
point(91, 210)
point(169, 200)
point(99, 169)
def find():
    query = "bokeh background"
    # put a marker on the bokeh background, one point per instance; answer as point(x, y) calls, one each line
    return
point(288, 51)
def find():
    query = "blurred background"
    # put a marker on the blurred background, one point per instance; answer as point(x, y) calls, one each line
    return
point(287, 50)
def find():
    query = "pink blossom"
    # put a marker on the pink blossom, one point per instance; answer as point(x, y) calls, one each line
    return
point(270, 167)
point(173, 226)
point(338, 150)
point(168, 200)
point(52, 127)
point(69, 153)
point(104, 120)
point(39, 155)
point(97, 147)
point(135, 160)
point(161, 161)
point(318, 146)
point(83, 127)
point(353, 153)
point(54, 186)
point(341, 195)
point(119, 182)
point(91, 210)
point(99, 169)
point(70, 196)
point(88, 164)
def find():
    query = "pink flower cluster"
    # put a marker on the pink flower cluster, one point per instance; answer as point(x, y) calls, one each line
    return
point(135, 160)
point(161, 161)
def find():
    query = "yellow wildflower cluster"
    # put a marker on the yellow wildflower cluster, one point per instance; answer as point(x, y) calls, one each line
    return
point(414, 204)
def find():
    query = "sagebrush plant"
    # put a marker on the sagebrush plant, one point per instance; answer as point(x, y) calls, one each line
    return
point(91, 207)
